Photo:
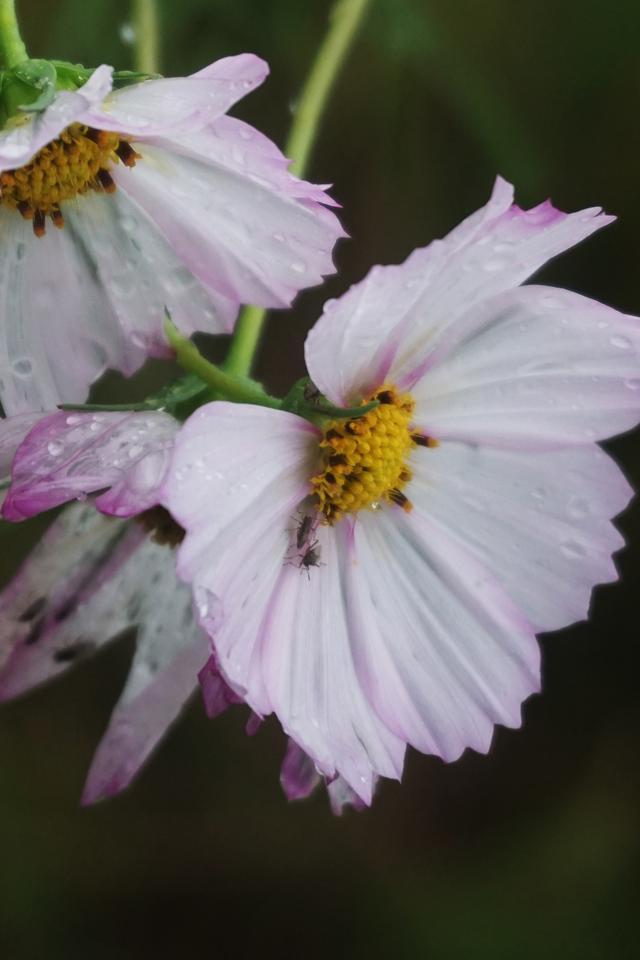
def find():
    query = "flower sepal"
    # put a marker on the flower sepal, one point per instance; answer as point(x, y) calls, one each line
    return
point(29, 87)
point(305, 400)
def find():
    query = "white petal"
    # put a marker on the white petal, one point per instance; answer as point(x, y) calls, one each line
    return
point(179, 104)
point(46, 610)
point(20, 142)
point(535, 369)
point(58, 334)
point(539, 521)
point(228, 228)
point(387, 326)
point(441, 650)
point(170, 651)
point(140, 274)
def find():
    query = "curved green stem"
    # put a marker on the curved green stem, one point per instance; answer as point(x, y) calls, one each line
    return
point(146, 28)
point(12, 48)
point(345, 19)
point(224, 384)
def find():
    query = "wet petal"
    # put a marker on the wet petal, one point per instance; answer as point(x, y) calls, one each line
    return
point(46, 610)
point(540, 522)
point(179, 104)
point(140, 274)
point(13, 430)
point(535, 369)
point(58, 334)
point(248, 239)
point(19, 143)
point(69, 455)
point(388, 325)
point(442, 651)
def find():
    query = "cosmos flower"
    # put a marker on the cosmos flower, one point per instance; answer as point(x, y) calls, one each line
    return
point(117, 204)
point(94, 577)
point(379, 581)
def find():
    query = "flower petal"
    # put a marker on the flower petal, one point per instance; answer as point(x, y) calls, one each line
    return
point(58, 334)
point(535, 369)
point(442, 651)
point(46, 610)
point(298, 774)
point(170, 651)
point(538, 521)
point(386, 326)
point(249, 239)
point(68, 455)
point(20, 143)
point(140, 274)
point(13, 430)
point(179, 104)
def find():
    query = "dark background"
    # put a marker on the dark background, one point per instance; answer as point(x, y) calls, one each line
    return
point(529, 852)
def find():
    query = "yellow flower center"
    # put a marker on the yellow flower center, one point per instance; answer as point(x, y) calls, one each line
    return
point(78, 161)
point(365, 459)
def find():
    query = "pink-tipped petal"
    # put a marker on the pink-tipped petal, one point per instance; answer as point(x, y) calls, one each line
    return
point(216, 692)
point(19, 143)
point(534, 369)
point(69, 455)
point(140, 275)
point(442, 651)
point(540, 522)
point(387, 325)
point(246, 237)
point(298, 774)
point(179, 104)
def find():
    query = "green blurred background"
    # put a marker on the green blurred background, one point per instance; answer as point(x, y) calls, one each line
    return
point(530, 852)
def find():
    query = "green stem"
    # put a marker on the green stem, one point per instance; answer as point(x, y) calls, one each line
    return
point(12, 48)
point(345, 19)
point(224, 384)
point(146, 28)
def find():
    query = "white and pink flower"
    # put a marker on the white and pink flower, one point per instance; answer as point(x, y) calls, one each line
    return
point(162, 201)
point(378, 582)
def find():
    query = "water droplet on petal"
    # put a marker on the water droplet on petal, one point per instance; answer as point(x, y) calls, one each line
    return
point(22, 367)
point(633, 383)
point(298, 266)
point(573, 550)
point(55, 448)
point(622, 343)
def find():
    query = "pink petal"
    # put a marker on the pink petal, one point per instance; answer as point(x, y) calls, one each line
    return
point(250, 239)
point(20, 143)
point(534, 369)
point(538, 521)
point(440, 648)
point(13, 430)
point(68, 455)
point(386, 326)
point(298, 774)
point(216, 692)
point(179, 104)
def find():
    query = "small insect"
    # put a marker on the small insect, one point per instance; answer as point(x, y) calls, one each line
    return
point(311, 393)
point(310, 558)
point(303, 530)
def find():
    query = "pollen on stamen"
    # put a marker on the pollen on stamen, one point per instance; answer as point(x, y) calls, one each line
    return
point(79, 160)
point(364, 459)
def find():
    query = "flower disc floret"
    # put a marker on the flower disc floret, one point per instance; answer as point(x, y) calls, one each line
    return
point(79, 160)
point(365, 459)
